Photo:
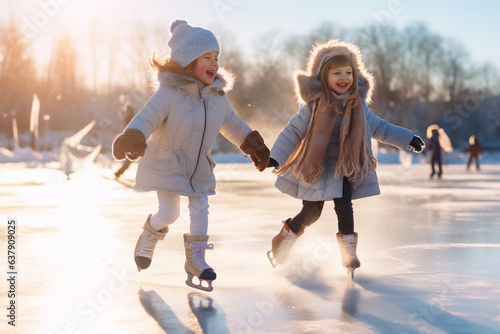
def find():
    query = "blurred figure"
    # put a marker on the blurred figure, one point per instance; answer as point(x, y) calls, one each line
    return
point(129, 114)
point(438, 142)
point(474, 150)
point(436, 157)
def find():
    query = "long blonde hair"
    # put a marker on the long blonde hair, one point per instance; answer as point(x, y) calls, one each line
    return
point(163, 63)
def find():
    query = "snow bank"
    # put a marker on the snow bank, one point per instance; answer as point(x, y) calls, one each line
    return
point(26, 154)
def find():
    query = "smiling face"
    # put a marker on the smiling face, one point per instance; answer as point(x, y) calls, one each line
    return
point(340, 79)
point(206, 67)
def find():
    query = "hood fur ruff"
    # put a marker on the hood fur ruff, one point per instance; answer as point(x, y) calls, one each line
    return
point(307, 83)
point(224, 80)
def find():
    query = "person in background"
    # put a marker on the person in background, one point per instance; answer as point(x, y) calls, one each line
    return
point(436, 153)
point(439, 144)
point(474, 150)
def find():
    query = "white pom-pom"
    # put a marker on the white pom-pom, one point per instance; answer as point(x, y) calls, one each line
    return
point(175, 24)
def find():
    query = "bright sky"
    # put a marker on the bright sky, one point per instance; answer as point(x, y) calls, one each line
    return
point(473, 23)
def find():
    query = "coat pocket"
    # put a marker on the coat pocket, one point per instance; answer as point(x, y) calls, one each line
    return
point(211, 161)
point(170, 162)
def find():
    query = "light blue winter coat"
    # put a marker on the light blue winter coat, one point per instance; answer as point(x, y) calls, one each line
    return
point(308, 88)
point(328, 186)
point(183, 119)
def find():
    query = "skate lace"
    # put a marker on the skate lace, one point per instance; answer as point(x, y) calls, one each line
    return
point(198, 254)
point(148, 243)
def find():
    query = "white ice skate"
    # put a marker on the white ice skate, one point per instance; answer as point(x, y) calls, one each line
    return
point(195, 262)
point(282, 244)
point(143, 253)
point(348, 243)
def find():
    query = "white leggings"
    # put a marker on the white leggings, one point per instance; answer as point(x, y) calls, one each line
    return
point(169, 211)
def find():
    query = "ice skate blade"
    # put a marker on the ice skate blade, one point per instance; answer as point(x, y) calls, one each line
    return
point(200, 286)
point(350, 273)
point(271, 259)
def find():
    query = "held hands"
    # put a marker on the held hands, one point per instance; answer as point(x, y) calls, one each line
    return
point(258, 151)
point(416, 144)
point(273, 163)
point(131, 145)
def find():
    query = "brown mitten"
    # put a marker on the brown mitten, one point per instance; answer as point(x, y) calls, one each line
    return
point(131, 144)
point(258, 151)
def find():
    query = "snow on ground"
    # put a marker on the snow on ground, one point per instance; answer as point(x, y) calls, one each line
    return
point(429, 255)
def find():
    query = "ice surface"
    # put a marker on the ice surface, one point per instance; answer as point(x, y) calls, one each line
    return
point(429, 252)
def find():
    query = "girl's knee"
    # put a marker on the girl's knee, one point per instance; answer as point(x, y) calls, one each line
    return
point(312, 210)
point(167, 217)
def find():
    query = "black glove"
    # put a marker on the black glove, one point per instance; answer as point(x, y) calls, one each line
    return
point(130, 144)
point(272, 163)
point(416, 144)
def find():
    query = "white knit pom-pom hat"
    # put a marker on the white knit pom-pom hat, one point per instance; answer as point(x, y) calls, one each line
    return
point(188, 43)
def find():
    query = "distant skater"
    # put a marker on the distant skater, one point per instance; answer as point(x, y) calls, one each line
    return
point(439, 142)
point(436, 154)
point(474, 150)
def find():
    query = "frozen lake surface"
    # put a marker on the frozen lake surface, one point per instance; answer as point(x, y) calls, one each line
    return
point(429, 252)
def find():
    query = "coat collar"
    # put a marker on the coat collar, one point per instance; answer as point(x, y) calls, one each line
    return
point(222, 83)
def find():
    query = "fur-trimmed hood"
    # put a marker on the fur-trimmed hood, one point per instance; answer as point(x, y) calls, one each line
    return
point(223, 82)
point(307, 83)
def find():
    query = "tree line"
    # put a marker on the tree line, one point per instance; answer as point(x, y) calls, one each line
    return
point(421, 78)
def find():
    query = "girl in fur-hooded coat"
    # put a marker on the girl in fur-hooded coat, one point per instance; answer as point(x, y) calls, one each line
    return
point(182, 120)
point(324, 152)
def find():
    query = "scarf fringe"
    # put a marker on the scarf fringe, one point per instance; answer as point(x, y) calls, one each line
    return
point(350, 171)
point(309, 175)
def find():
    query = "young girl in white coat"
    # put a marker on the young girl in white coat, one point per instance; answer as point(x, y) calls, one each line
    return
point(324, 152)
point(182, 120)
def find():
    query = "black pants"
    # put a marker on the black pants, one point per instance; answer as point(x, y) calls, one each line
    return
point(311, 211)
point(472, 158)
point(436, 160)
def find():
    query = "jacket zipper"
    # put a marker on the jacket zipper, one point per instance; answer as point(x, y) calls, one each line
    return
point(202, 140)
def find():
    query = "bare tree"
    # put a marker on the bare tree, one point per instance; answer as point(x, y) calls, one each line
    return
point(232, 59)
point(270, 91)
point(487, 80)
point(382, 50)
point(17, 75)
point(94, 41)
point(454, 73)
point(113, 54)
point(64, 94)
point(140, 49)
point(298, 47)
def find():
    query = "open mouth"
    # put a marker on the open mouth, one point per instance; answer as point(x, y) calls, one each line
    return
point(342, 85)
point(211, 74)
